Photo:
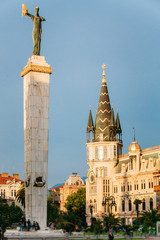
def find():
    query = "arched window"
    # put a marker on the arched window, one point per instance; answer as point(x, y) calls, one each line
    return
point(115, 151)
point(96, 153)
point(151, 203)
point(105, 153)
point(130, 205)
point(143, 205)
point(123, 205)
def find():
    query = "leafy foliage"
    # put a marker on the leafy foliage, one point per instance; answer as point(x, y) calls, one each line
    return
point(97, 227)
point(111, 220)
point(149, 219)
point(76, 207)
point(52, 211)
point(9, 214)
point(137, 202)
point(20, 196)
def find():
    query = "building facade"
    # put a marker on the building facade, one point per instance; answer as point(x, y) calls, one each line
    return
point(114, 180)
point(60, 192)
point(9, 185)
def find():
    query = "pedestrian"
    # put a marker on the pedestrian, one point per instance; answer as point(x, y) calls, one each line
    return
point(110, 233)
point(28, 225)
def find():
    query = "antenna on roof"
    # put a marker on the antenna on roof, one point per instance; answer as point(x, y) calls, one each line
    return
point(134, 134)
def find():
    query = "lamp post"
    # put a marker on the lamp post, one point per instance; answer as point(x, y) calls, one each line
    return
point(110, 201)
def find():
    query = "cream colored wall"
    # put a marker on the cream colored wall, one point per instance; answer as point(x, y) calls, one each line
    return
point(9, 187)
point(139, 173)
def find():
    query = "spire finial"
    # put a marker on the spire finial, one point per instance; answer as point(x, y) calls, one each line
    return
point(104, 74)
point(90, 107)
point(117, 110)
point(134, 134)
point(112, 105)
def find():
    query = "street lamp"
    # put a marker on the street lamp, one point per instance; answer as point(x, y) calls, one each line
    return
point(110, 201)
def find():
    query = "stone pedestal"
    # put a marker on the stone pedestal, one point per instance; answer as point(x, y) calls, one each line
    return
point(36, 76)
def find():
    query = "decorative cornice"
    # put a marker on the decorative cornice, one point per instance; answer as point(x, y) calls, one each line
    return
point(36, 68)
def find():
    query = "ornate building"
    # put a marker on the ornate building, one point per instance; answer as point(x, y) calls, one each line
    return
point(115, 180)
point(9, 185)
point(60, 192)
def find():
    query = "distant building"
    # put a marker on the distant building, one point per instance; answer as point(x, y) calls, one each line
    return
point(116, 180)
point(55, 194)
point(60, 192)
point(9, 185)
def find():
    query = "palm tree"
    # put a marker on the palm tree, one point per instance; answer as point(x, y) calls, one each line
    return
point(20, 196)
point(137, 202)
point(149, 219)
point(111, 220)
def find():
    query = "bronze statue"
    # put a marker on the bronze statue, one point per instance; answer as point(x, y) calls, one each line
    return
point(37, 28)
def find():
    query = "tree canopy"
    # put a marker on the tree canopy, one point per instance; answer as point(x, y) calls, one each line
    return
point(76, 206)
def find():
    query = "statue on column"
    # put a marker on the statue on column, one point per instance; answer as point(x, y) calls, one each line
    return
point(37, 28)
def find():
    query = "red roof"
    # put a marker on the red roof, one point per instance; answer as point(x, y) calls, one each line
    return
point(4, 179)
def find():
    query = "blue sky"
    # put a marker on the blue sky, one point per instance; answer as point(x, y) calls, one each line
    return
point(78, 37)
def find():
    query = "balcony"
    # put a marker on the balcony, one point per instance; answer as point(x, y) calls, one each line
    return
point(157, 188)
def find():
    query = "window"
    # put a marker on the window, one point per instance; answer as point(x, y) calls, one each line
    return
point(130, 205)
point(151, 203)
point(105, 153)
point(149, 183)
point(111, 152)
point(123, 205)
point(15, 193)
point(96, 153)
point(100, 152)
point(115, 151)
point(144, 183)
point(12, 193)
point(128, 186)
point(106, 188)
point(115, 189)
point(143, 205)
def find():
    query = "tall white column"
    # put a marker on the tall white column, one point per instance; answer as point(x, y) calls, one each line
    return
point(36, 76)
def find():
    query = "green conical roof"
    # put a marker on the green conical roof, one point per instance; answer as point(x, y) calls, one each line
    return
point(103, 116)
point(90, 126)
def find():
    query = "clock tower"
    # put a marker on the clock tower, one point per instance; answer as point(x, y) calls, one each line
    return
point(104, 145)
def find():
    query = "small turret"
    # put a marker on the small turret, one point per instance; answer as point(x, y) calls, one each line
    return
point(112, 127)
point(118, 126)
point(90, 127)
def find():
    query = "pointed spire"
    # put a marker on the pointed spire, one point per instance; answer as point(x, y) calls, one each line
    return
point(90, 126)
point(119, 130)
point(104, 112)
point(112, 122)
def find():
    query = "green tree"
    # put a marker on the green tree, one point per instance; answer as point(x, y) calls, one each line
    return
point(97, 227)
point(52, 211)
point(20, 196)
point(149, 219)
point(9, 214)
point(111, 220)
point(76, 207)
point(137, 202)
